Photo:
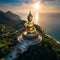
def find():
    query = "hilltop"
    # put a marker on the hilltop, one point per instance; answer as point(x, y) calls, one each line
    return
point(8, 17)
point(47, 49)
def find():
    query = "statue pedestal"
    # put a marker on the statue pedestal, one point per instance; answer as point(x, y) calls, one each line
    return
point(25, 43)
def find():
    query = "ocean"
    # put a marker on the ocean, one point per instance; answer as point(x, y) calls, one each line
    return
point(50, 22)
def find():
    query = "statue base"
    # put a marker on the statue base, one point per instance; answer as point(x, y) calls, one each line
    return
point(25, 43)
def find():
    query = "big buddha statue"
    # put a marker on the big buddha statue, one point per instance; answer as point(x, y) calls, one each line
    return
point(30, 31)
point(30, 36)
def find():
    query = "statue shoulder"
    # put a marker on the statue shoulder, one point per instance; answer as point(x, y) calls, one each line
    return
point(26, 24)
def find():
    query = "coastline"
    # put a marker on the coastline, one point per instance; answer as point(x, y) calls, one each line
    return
point(52, 38)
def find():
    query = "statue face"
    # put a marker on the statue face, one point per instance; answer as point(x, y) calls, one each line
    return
point(30, 18)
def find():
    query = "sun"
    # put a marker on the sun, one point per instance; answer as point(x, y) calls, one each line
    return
point(37, 5)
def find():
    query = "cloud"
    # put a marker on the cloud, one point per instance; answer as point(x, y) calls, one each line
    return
point(9, 1)
point(20, 2)
point(47, 0)
point(51, 3)
point(26, 5)
point(15, 1)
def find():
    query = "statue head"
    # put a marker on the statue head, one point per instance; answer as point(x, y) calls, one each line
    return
point(30, 17)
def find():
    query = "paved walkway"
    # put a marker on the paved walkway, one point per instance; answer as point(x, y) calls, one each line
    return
point(22, 46)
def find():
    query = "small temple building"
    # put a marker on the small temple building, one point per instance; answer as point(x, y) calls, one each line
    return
point(30, 36)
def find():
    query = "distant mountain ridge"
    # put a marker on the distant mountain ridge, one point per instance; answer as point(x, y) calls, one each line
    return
point(8, 17)
point(12, 15)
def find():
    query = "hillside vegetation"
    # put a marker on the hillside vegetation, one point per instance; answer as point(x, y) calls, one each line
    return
point(47, 49)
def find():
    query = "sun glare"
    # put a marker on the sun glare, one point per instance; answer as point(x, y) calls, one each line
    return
point(37, 5)
point(36, 9)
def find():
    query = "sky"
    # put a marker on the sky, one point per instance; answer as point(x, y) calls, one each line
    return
point(23, 6)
